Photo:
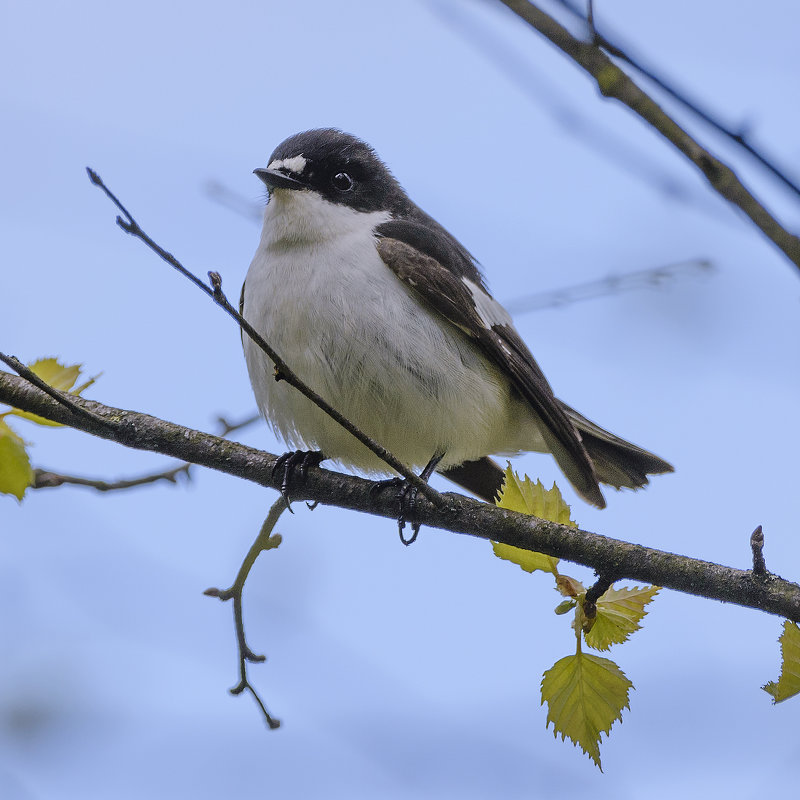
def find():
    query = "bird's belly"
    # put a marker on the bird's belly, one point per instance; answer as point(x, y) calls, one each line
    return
point(357, 336)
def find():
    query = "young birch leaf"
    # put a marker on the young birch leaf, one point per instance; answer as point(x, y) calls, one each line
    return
point(58, 376)
point(619, 612)
point(16, 474)
point(531, 498)
point(788, 684)
point(585, 695)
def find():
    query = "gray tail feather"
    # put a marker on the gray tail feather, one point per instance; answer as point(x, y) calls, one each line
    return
point(616, 462)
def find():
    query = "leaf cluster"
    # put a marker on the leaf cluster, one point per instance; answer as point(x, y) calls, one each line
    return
point(585, 694)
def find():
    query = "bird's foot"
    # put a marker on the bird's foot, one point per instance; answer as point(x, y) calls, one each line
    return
point(294, 463)
point(406, 497)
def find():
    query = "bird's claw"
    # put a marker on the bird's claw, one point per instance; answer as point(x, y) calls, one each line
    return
point(297, 460)
point(406, 495)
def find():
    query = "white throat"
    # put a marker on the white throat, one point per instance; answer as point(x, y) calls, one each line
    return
point(301, 217)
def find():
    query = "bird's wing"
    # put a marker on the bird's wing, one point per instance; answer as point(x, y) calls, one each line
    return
point(430, 262)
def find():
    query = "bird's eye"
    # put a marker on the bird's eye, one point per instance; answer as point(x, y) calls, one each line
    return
point(342, 181)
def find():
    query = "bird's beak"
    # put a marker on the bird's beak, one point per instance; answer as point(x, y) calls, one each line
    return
point(274, 179)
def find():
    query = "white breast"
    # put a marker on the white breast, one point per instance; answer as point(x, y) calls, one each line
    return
point(320, 294)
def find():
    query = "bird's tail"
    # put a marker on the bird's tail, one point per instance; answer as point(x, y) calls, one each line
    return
point(617, 462)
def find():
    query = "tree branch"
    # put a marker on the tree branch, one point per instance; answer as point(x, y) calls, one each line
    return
point(614, 82)
point(47, 479)
point(452, 512)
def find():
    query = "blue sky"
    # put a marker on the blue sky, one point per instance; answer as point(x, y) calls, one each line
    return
point(398, 672)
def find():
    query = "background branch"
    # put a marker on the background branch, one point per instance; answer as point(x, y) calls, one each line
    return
point(454, 513)
point(738, 136)
point(614, 82)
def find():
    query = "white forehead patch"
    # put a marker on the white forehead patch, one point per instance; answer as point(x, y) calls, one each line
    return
point(489, 310)
point(295, 164)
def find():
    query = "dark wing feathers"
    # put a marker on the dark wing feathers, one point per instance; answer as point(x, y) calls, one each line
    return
point(442, 287)
point(431, 239)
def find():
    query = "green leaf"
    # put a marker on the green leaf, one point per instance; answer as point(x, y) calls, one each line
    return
point(58, 376)
point(788, 684)
point(619, 612)
point(16, 474)
point(528, 560)
point(532, 498)
point(585, 695)
point(527, 497)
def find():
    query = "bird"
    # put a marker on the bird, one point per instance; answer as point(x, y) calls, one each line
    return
point(388, 317)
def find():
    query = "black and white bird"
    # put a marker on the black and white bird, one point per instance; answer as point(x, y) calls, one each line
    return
point(387, 316)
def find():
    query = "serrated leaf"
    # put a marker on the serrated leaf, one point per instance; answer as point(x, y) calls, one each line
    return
point(585, 695)
point(522, 494)
point(57, 375)
point(619, 612)
point(60, 377)
point(16, 474)
point(527, 497)
point(788, 684)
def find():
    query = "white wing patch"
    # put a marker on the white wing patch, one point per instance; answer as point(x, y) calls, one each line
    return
point(295, 164)
point(489, 310)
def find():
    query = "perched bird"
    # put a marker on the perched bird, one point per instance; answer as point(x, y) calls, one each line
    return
point(386, 315)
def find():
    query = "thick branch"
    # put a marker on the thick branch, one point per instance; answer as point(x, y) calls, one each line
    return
point(47, 479)
point(453, 512)
point(614, 82)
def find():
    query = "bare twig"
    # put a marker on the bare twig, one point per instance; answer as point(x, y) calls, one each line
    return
point(60, 397)
point(46, 479)
point(738, 136)
point(614, 82)
point(611, 285)
point(265, 540)
point(282, 369)
point(226, 426)
point(451, 512)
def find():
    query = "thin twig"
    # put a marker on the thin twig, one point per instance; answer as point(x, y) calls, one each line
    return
point(610, 285)
point(571, 118)
point(60, 397)
point(46, 479)
point(265, 540)
point(737, 136)
point(615, 82)
point(129, 225)
point(451, 512)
